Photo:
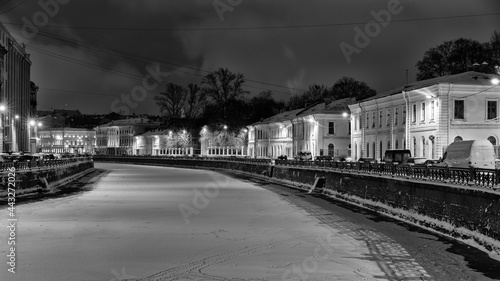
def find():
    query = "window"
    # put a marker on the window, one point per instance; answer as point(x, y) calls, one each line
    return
point(380, 149)
point(423, 147)
point(367, 120)
point(493, 140)
point(422, 114)
point(367, 149)
point(373, 119)
point(404, 114)
point(414, 146)
point(491, 109)
point(414, 113)
point(331, 128)
point(395, 116)
point(432, 110)
point(331, 149)
point(459, 109)
point(397, 144)
point(388, 121)
point(380, 118)
point(349, 127)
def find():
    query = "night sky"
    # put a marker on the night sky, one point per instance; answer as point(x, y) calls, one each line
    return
point(88, 54)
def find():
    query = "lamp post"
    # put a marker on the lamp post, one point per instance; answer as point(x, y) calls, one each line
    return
point(2, 121)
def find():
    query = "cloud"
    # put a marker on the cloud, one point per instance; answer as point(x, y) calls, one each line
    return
point(291, 58)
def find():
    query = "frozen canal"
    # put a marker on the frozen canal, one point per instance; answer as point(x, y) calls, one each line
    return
point(157, 223)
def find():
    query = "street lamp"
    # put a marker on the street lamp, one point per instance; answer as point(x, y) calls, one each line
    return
point(495, 81)
point(225, 127)
point(3, 108)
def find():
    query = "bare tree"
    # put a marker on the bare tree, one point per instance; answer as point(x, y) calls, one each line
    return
point(195, 101)
point(223, 87)
point(172, 101)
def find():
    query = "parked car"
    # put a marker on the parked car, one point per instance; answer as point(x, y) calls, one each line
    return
point(304, 156)
point(396, 156)
point(323, 158)
point(430, 162)
point(414, 161)
point(339, 159)
point(472, 153)
point(366, 160)
point(282, 157)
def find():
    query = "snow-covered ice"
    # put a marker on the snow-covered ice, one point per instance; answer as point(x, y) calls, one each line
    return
point(130, 227)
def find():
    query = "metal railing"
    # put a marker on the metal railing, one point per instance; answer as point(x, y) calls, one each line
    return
point(41, 164)
point(202, 158)
point(487, 178)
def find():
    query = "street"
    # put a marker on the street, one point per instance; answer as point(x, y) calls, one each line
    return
point(149, 223)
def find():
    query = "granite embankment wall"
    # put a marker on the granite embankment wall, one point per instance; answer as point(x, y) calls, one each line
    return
point(467, 213)
point(26, 178)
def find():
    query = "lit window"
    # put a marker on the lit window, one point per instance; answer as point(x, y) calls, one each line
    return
point(432, 110)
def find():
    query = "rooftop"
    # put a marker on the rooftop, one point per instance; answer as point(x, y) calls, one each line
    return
point(465, 78)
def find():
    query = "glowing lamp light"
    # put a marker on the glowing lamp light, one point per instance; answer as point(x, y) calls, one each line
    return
point(2, 107)
point(225, 127)
point(495, 81)
point(39, 124)
point(32, 123)
point(17, 116)
point(345, 114)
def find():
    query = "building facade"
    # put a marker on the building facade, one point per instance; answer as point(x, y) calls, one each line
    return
point(66, 140)
point(163, 142)
point(273, 136)
point(117, 137)
point(426, 116)
point(322, 129)
point(15, 90)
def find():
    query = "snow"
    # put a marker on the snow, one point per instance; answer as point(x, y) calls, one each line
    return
point(129, 227)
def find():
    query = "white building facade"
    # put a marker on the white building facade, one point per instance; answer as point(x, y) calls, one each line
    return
point(272, 136)
point(117, 137)
point(426, 116)
point(163, 142)
point(70, 140)
point(322, 129)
